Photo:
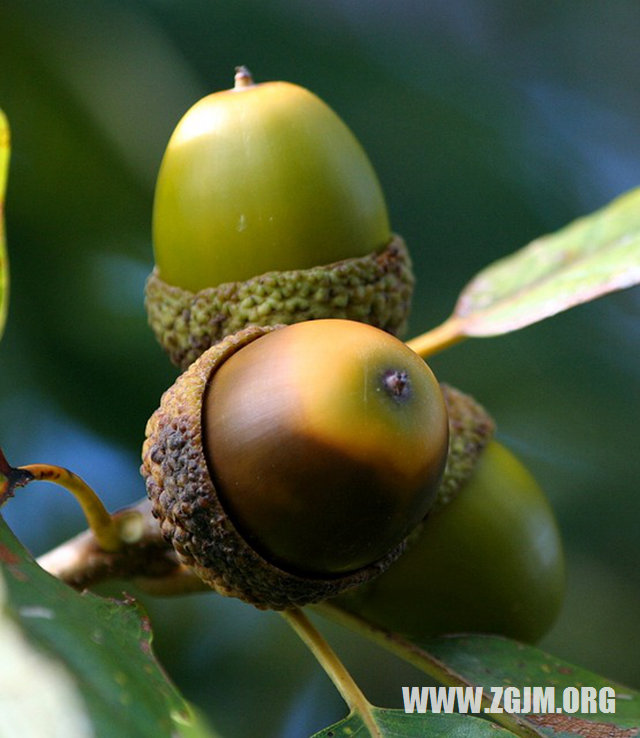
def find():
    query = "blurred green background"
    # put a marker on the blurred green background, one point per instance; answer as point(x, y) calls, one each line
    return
point(489, 123)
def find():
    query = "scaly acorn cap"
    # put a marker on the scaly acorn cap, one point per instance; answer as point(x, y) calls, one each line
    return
point(470, 430)
point(374, 289)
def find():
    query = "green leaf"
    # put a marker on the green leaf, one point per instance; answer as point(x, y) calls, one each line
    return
point(5, 149)
point(588, 258)
point(492, 661)
point(398, 724)
point(78, 665)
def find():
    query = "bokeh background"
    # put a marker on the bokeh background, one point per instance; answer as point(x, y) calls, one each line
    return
point(489, 123)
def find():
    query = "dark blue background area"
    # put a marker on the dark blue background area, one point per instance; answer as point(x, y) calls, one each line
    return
point(488, 124)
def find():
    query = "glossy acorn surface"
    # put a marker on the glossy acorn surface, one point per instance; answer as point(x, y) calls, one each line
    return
point(490, 561)
point(258, 178)
point(326, 441)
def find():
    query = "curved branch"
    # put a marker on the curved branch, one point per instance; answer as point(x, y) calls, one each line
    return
point(145, 557)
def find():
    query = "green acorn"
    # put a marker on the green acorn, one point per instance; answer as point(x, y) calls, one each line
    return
point(268, 211)
point(488, 560)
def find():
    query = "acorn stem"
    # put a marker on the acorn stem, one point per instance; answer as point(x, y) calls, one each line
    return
point(439, 338)
point(105, 529)
point(335, 669)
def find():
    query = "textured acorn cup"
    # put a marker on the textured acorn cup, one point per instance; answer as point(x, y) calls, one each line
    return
point(268, 211)
point(289, 464)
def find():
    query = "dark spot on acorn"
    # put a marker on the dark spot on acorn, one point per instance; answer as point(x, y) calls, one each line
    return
point(396, 383)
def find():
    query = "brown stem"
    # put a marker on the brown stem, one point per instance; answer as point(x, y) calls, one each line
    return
point(144, 557)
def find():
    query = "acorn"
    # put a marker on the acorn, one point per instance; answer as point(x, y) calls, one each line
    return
point(488, 560)
point(290, 463)
point(267, 211)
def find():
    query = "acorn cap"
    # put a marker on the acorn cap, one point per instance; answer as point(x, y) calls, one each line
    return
point(374, 289)
point(189, 510)
point(470, 430)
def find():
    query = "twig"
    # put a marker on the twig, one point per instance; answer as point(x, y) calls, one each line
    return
point(144, 557)
point(335, 669)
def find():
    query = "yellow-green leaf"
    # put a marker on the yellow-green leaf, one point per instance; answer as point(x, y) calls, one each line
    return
point(588, 258)
point(4, 170)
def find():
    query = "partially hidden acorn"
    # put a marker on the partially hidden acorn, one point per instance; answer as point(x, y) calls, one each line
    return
point(268, 211)
point(290, 463)
point(488, 560)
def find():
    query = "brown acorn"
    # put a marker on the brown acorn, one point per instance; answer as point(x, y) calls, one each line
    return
point(288, 464)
